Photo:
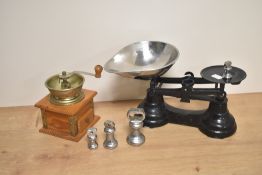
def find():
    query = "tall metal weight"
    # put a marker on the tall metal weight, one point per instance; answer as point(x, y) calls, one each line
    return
point(110, 142)
point(136, 117)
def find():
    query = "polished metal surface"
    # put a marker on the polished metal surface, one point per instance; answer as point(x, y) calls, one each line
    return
point(145, 59)
point(228, 68)
point(110, 141)
point(98, 70)
point(65, 88)
point(91, 138)
point(136, 117)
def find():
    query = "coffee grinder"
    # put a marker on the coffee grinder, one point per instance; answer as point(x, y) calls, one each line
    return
point(68, 110)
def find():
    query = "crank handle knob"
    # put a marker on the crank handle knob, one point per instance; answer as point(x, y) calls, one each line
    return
point(98, 71)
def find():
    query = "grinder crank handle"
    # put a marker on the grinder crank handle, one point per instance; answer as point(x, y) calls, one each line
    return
point(98, 71)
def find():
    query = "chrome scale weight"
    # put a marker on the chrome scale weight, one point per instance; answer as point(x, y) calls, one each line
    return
point(136, 117)
point(110, 141)
point(91, 138)
point(149, 60)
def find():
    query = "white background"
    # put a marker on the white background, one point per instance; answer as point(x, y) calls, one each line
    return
point(39, 38)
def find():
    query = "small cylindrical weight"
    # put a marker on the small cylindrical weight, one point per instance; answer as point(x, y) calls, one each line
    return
point(91, 138)
point(227, 70)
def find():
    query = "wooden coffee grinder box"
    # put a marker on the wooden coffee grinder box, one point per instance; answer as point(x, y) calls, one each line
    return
point(68, 110)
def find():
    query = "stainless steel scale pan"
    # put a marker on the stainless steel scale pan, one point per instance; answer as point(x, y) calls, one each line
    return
point(144, 59)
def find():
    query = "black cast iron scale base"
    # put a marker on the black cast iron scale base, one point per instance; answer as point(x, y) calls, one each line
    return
point(216, 121)
point(149, 60)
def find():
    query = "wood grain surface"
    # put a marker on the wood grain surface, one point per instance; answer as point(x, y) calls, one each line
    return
point(70, 109)
point(69, 121)
point(171, 149)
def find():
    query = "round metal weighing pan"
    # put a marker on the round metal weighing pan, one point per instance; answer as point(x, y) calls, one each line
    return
point(144, 59)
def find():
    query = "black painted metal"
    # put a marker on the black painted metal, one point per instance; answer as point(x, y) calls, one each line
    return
point(237, 74)
point(215, 121)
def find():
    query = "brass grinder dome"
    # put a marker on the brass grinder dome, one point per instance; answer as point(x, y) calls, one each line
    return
point(65, 88)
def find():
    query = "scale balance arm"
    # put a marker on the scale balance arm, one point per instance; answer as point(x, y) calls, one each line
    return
point(187, 92)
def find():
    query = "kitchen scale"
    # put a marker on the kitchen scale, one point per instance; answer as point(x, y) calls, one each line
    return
point(149, 60)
